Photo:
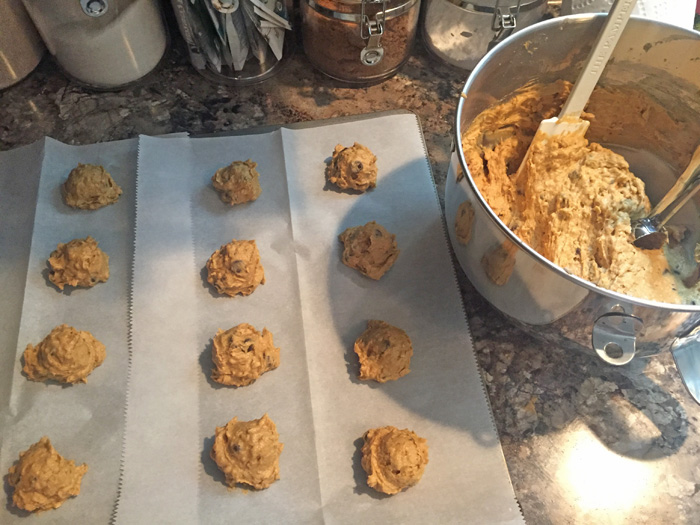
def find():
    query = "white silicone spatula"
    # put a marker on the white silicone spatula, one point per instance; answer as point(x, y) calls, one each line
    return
point(569, 119)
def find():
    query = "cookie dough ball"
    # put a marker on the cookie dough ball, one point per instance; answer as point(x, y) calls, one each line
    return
point(464, 222)
point(235, 268)
point(43, 479)
point(370, 249)
point(242, 354)
point(78, 263)
point(65, 355)
point(90, 187)
point(248, 452)
point(393, 459)
point(238, 182)
point(385, 352)
point(352, 168)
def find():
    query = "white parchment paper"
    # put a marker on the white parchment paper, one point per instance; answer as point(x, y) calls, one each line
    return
point(85, 422)
point(315, 307)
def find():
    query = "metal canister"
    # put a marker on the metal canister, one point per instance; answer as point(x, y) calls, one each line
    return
point(359, 41)
point(460, 32)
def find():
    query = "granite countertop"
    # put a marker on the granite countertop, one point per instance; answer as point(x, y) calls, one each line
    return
point(584, 442)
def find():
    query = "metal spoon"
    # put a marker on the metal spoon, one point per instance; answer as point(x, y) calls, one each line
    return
point(649, 232)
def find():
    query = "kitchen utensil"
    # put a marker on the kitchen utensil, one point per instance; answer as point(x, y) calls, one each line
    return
point(649, 231)
point(569, 119)
point(549, 303)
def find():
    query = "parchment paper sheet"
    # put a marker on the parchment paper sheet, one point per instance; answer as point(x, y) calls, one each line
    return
point(315, 308)
point(85, 422)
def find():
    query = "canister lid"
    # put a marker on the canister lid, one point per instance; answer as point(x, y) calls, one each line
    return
point(489, 6)
point(351, 10)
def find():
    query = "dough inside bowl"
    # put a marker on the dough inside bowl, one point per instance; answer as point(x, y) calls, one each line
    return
point(574, 201)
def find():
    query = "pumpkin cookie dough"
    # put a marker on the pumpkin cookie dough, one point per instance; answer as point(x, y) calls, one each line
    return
point(464, 222)
point(384, 351)
point(369, 249)
point(43, 479)
point(65, 355)
point(248, 452)
point(352, 168)
point(572, 200)
point(235, 268)
point(89, 187)
point(237, 183)
point(78, 263)
point(242, 354)
point(393, 459)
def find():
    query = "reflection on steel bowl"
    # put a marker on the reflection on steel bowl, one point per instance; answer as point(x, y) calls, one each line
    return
point(657, 62)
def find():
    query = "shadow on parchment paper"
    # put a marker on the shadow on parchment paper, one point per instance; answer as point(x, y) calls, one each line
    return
point(349, 336)
point(9, 490)
point(360, 475)
point(396, 291)
point(207, 366)
point(209, 465)
point(609, 416)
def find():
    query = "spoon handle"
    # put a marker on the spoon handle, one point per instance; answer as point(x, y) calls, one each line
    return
point(684, 188)
point(598, 57)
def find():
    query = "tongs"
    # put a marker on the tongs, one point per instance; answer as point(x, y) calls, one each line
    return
point(649, 232)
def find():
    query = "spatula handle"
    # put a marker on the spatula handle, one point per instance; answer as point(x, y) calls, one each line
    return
point(598, 57)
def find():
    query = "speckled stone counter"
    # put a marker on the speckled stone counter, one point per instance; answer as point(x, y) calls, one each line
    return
point(584, 442)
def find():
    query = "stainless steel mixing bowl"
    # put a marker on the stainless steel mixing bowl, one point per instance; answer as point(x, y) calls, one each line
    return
point(661, 60)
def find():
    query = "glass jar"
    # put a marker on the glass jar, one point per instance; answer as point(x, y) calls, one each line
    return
point(236, 42)
point(359, 41)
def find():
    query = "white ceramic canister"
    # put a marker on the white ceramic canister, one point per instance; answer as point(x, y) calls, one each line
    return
point(460, 32)
point(104, 44)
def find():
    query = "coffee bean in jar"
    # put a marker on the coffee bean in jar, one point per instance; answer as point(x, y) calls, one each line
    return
point(359, 41)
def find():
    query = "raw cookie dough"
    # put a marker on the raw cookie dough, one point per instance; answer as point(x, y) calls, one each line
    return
point(90, 187)
point(78, 263)
point(352, 168)
point(43, 479)
point(370, 249)
point(464, 222)
point(238, 182)
point(235, 268)
point(572, 201)
point(393, 459)
point(65, 355)
point(248, 452)
point(384, 351)
point(242, 354)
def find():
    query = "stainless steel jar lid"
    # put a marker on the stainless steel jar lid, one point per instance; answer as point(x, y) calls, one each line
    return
point(390, 12)
point(490, 6)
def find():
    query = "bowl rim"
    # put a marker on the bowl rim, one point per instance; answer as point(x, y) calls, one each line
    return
point(515, 39)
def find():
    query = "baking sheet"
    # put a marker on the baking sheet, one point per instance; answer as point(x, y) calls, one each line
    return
point(315, 308)
point(85, 422)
